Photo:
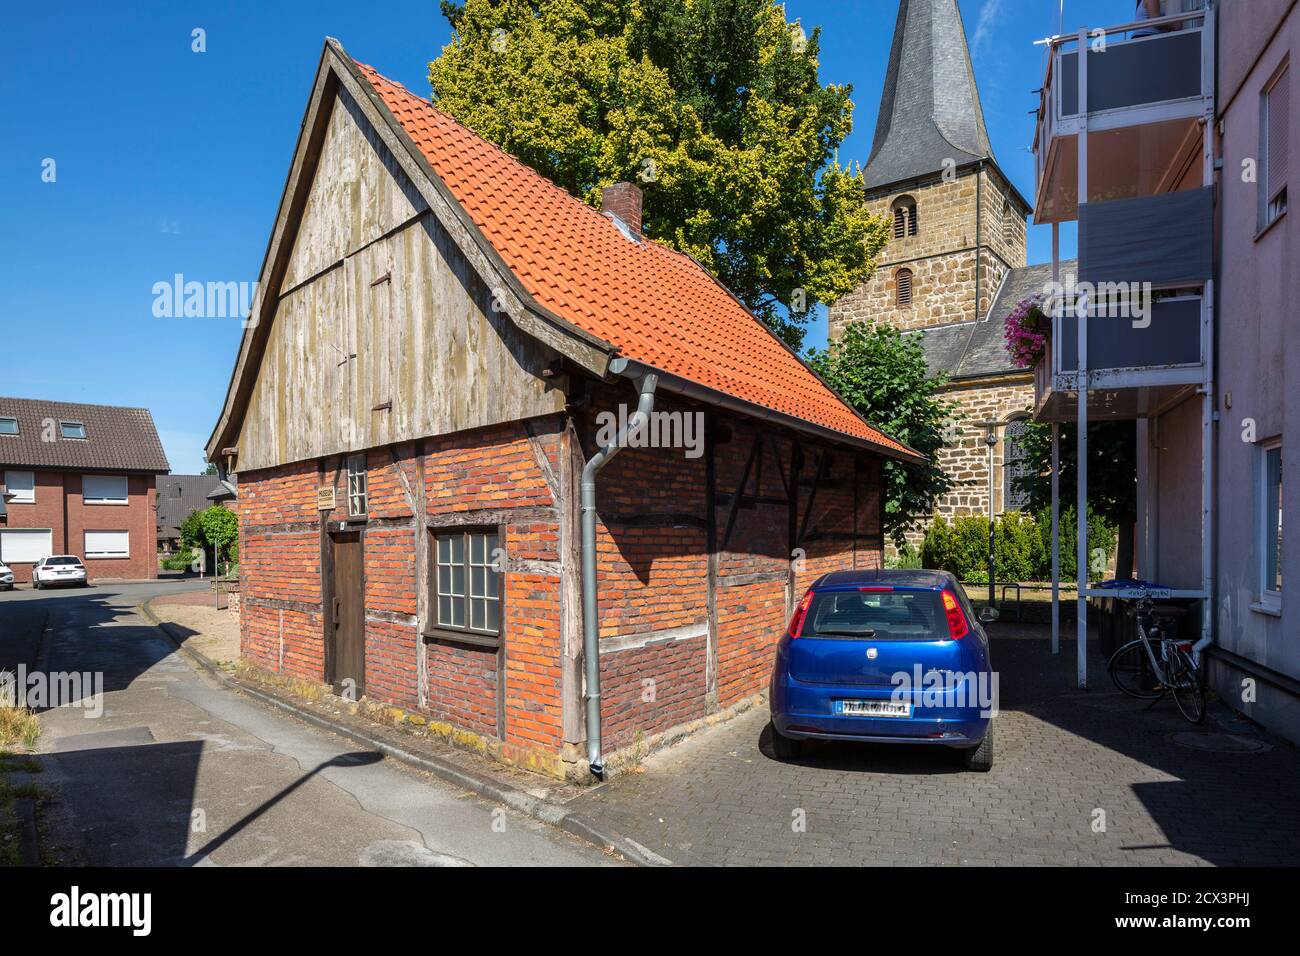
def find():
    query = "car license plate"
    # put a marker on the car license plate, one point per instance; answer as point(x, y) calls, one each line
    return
point(873, 708)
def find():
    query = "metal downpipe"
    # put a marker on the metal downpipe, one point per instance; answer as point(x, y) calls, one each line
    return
point(590, 604)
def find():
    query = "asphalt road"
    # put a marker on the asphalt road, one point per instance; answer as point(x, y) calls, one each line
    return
point(169, 768)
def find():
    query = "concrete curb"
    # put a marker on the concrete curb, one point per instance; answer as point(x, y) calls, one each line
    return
point(484, 786)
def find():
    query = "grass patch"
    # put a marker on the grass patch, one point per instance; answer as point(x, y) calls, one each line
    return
point(18, 727)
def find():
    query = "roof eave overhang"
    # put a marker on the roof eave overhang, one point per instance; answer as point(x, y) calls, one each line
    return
point(711, 396)
point(337, 70)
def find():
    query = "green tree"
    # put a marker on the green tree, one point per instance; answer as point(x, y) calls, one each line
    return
point(713, 107)
point(221, 532)
point(883, 374)
point(213, 528)
point(1112, 478)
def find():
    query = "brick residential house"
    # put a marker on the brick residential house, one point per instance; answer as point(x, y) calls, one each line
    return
point(443, 342)
point(955, 262)
point(178, 497)
point(79, 479)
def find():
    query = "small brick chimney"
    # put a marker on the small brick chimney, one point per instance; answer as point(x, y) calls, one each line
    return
point(624, 201)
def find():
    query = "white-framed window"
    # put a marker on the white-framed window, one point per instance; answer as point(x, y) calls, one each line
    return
point(1274, 146)
point(8, 425)
point(1270, 524)
point(25, 545)
point(72, 430)
point(467, 585)
point(103, 489)
point(22, 485)
point(357, 490)
point(108, 544)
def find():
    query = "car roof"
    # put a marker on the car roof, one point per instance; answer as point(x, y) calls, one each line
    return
point(894, 577)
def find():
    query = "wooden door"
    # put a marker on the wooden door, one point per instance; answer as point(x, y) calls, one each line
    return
point(349, 639)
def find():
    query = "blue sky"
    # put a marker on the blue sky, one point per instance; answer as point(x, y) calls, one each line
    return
point(169, 161)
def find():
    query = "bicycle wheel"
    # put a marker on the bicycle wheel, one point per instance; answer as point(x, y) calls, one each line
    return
point(1185, 679)
point(1130, 669)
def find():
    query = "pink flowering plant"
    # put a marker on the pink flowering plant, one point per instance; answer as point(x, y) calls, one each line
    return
point(1026, 329)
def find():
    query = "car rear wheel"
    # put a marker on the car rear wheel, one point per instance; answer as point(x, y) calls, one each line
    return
point(785, 748)
point(980, 759)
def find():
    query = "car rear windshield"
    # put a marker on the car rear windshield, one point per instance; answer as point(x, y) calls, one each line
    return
point(72, 561)
point(876, 614)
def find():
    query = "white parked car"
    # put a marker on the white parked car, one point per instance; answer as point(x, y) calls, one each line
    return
point(6, 577)
point(58, 569)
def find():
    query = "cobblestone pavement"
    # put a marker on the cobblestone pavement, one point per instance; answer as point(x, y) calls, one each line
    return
point(1064, 757)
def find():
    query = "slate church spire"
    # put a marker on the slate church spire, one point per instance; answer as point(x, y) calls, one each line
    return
point(930, 107)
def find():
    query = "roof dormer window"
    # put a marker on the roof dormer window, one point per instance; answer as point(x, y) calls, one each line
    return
point(8, 425)
point(75, 430)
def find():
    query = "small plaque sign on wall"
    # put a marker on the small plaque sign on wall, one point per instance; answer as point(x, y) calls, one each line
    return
point(325, 498)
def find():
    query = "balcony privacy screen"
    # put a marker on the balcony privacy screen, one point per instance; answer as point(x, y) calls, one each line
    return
point(1135, 73)
point(1165, 239)
point(1172, 338)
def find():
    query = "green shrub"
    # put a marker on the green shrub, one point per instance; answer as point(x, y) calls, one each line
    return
point(1022, 547)
point(180, 561)
point(909, 558)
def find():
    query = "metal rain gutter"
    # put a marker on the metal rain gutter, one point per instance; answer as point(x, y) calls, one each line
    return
point(702, 393)
point(646, 382)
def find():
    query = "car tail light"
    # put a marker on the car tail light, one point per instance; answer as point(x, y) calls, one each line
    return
point(800, 612)
point(957, 626)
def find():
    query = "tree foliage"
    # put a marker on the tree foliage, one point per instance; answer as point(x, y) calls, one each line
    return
point(883, 375)
point(216, 528)
point(1112, 467)
point(713, 107)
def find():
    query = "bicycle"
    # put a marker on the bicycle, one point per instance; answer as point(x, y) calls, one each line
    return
point(1157, 663)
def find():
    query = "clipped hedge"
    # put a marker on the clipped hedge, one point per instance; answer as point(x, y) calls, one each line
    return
point(1022, 547)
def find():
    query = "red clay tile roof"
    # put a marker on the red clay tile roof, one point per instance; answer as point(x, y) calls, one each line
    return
point(658, 306)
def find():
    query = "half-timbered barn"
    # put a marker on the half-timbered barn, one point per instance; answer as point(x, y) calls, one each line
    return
point(507, 466)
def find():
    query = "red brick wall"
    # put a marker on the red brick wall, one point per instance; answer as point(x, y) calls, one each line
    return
point(652, 571)
point(59, 507)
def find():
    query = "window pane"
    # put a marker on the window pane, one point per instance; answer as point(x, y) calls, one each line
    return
point(490, 550)
point(72, 429)
point(477, 613)
point(444, 550)
point(476, 548)
point(476, 582)
point(1273, 539)
point(444, 610)
point(457, 612)
point(492, 578)
point(492, 623)
point(8, 426)
point(458, 579)
point(444, 579)
point(458, 549)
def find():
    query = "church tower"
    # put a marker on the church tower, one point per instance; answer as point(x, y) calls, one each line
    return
point(957, 224)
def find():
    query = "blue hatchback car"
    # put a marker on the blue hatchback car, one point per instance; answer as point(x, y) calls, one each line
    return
point(885, 657)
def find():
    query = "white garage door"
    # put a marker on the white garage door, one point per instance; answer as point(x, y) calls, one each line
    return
point(108, 544)
point(25, 547)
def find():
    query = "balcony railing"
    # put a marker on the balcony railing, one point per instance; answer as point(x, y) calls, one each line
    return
point(1162, 79)
point(1143, 357)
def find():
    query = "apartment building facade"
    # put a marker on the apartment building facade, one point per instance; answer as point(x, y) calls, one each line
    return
point(1256, 660)
point(79, 479)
